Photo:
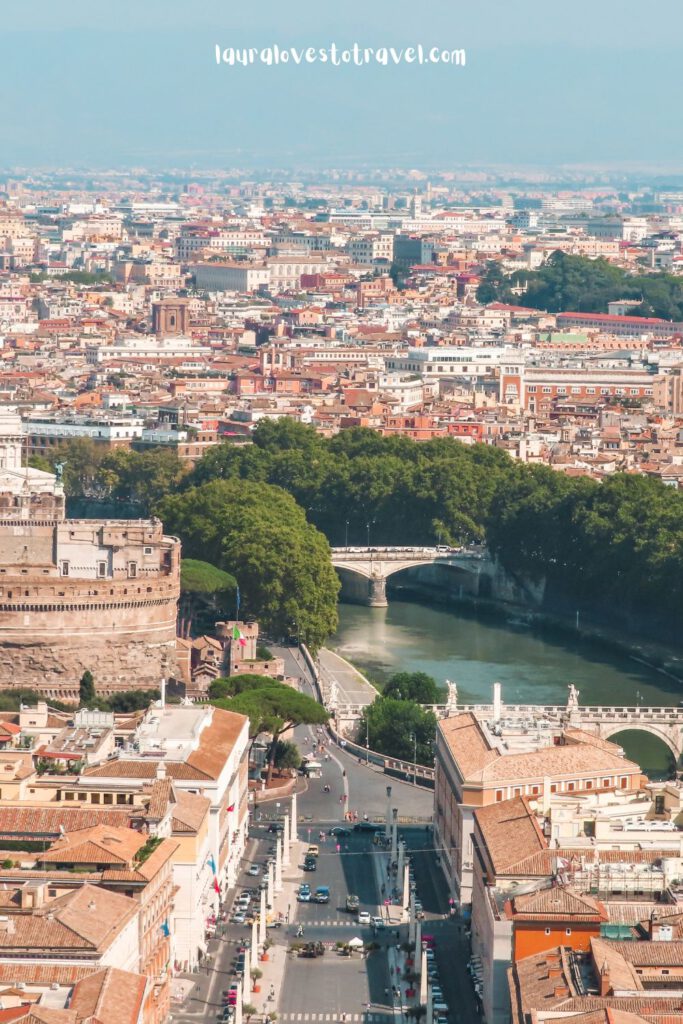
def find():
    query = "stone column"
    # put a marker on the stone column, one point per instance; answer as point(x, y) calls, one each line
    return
point(411, 920)
point(377, 592)
point(406, 887)
point(278, 864)
point(286, 839)
point(418, 939)
point(253, 952)
point(293, 825)
point(387, 830)
point(246, 982)
point(262, 919)
point(238, 1009)
point(497, 703)
point(423, 976)
point(429, 1019)
point(394, 835)
point(270, 891)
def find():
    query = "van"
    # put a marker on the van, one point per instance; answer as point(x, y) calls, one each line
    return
point(313, 851)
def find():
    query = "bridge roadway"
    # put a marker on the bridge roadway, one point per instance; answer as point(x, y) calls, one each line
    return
point(376, 564)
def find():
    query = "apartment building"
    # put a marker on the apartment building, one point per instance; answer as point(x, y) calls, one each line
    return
point(473, 769)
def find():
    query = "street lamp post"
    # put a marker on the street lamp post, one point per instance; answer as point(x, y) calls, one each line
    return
point(367, 738)
point(414, 739)
point(347, 534)
point(368, 527)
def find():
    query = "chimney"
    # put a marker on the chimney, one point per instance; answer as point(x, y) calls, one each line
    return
point(561, 992)
point(605, 983)
point(554, 972)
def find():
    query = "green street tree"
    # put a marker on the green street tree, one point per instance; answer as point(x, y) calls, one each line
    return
point(271, 707)
point(415, 686)
point(287, 755)
point(391, 725)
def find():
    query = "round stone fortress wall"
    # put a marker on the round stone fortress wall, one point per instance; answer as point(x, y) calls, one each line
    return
point(53, 629)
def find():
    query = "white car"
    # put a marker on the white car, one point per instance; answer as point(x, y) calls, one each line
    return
point(254, 870)
point(377, 922)
point(364, 917)
point(238, 918)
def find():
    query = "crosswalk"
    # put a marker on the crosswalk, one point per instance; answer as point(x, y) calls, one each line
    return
point(329, 922)
point(333, 1018)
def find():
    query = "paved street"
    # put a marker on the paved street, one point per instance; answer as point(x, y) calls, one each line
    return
point(324, 989)
point(351, 687)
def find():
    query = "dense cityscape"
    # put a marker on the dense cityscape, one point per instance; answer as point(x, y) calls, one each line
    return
point(236, 404)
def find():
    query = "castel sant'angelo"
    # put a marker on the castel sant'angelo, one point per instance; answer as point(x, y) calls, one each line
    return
point(79, 594)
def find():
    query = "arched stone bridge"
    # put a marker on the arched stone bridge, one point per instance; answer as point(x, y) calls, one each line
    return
point(373, 566)
point(666, 723)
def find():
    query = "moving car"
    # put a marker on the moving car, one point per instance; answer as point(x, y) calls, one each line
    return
point(363, 917)
point(352, 902)
point(368, 826)
point(276, 826)
point(339, 830)
point(310, 864)
point(254, 870)
point(321, 894)
point(377, 922)
point(239, 918)
point(304, 894)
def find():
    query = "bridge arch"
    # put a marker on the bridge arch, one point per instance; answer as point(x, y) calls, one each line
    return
point(668, 738)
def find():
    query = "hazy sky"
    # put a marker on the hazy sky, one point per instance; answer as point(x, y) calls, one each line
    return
point(135, 82)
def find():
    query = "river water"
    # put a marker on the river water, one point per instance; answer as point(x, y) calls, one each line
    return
point(534, 666)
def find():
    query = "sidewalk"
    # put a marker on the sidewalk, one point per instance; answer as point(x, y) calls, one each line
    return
point(284, 903)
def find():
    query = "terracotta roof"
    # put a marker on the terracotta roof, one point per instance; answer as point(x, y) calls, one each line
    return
point(189, 812)
point(557, 902)
point(216, 742)
point(510, 832)
point(86, 919)
point(112, 996)
point(467, 743)
point(45, 821)
point(101, 844)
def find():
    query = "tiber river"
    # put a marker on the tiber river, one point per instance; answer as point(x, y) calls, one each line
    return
point(533, 667)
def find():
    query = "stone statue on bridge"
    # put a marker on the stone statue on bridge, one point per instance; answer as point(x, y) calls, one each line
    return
point(573, 711)
point(452, 698)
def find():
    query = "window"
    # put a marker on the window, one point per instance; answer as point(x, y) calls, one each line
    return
point(499, 795)
point(659, 805)
point(567, 931)
point(546, 391)
point(605, 783)
point(534, 790)
point(517, 791)
point(532, 389)
point(65, 569)
point(101, 569)
point(571, 786)
point(589, 784)
point(547, 931)
point(623, 782)
point(553, 788)
point(132, 570)
point(148, 551)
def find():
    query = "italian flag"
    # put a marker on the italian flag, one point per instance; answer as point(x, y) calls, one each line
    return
point(237, 635)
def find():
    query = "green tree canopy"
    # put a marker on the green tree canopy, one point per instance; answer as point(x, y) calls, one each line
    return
point(390, 726)
point(259, 534)
point(206, 592)
point(271, 707)
point(86, 689)
point(415, 686)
